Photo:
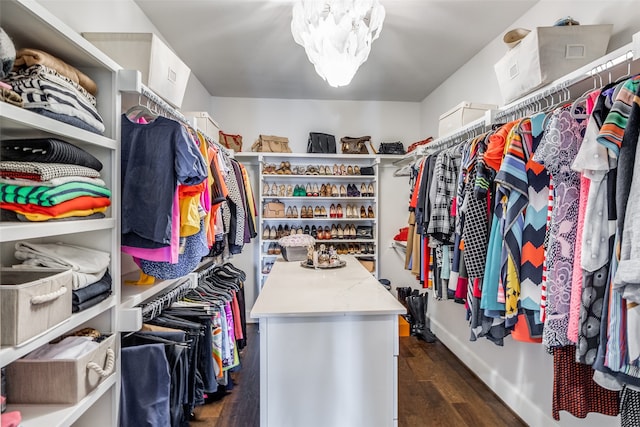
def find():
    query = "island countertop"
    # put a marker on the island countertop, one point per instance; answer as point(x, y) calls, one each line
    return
point(292, 290)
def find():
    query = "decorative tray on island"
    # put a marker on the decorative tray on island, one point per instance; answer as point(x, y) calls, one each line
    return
point(339, 264)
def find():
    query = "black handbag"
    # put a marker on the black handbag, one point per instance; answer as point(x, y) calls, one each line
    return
point(364, 232)
point(391, 148)
point(367, 170)
point(321, 143)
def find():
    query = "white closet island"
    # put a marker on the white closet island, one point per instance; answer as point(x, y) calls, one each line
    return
point(328, 347)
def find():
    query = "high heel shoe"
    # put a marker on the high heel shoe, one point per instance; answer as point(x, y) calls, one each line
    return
point(307, 190)
point(334, 191)
point(370, 213)
point(316, 212)
point(363, 212)
point(306, 230)
point(303, 211)
point(336, 169)
point(343, 191)
point(327, 232)
point(271, 249)
point(339, 232)
point(286, 231)
point(356, 170)
point(266, 191)
point(339, 212)
point(265, 232)
point(370, 190)
point(323, 190)
point(289, 191)
point(289, 212)
point(334, 231)
point(294, 212)
point(343, 169)
point(273, 234)
point(323, 212)
point(274, 190)
point(349, 170)
point(316, 191)
point(314, 232)
point(363, 190)
point(332, 211)
point(279, 231)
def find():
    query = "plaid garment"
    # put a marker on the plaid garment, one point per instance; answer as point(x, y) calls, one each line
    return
point(441, 223)
point(44, 171)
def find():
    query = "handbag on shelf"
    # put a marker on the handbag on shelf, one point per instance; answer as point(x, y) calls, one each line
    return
point(364, 232)
point(352, 145)
point(391, 148)
point(321, 143)
point(271, 144)
point(274, 209)
point(419, 143)
point(367, 170)
point(232, 142)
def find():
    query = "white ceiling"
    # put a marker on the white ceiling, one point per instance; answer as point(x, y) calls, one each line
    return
point(244, 48)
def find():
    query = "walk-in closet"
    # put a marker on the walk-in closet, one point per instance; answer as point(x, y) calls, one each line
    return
point(286, 213)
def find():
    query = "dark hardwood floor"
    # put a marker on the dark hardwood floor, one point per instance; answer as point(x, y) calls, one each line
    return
point(434, 389)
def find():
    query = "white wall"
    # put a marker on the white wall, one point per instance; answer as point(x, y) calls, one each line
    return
point(476, 80)
point(384, 121)
point(120, 16)
point(520, 373)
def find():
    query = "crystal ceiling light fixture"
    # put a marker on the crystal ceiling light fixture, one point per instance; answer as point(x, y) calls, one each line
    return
point(337, 35)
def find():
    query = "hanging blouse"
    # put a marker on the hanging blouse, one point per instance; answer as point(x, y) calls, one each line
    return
point(556, 152)
point(155, 158)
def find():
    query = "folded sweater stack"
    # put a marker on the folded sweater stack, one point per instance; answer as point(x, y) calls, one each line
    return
point(55, 89)
point(49, 179)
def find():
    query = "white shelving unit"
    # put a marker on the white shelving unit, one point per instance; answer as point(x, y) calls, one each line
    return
point(368, 247)
point(31, 26)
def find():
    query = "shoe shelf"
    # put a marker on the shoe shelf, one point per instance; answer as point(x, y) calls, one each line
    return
point(317, 182)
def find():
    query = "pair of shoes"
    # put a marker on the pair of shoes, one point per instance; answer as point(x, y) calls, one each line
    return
point(273, 249)
point(335, 211)
point(298, 191)
point(268, 169)
point(284, 169)
point(319, 212)
point(367, 191)
point(323, 234)
point(352, 191)
point(269, 233)
point(292, 212)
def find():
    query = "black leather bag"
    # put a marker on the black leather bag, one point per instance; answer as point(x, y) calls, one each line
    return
point(391, 148)
point(321, 143)
point(364, 232)
point(367, 170)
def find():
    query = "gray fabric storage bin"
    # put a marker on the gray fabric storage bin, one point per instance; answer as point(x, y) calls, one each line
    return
point(294, 253)
point(60, 381)
point(548, 53)
point(32, 301)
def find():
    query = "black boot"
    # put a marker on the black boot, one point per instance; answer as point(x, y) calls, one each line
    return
point(403, 293)
point(418, 307)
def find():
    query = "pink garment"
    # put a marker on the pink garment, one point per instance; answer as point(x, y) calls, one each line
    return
point(11, 419)
point(167, 253)
point(576, 278)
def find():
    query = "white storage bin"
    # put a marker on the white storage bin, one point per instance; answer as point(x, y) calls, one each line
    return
point(460, 115)
point(204, 123)
point(162, 71)
point(60, 381)
point(32, 301)
point(548, 53)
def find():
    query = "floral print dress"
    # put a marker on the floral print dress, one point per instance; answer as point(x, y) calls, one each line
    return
point(557, 151)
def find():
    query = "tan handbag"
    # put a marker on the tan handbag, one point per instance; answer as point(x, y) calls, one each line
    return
point(354, 145)
point(274, 210)
point(232, 142)
point(271, 144)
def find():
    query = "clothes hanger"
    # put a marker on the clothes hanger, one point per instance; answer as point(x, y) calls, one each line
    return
point(138, 111)
point(628, 58)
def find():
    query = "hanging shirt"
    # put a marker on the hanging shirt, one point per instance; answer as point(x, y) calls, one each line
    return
point(557, 151)
point(155, 158)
